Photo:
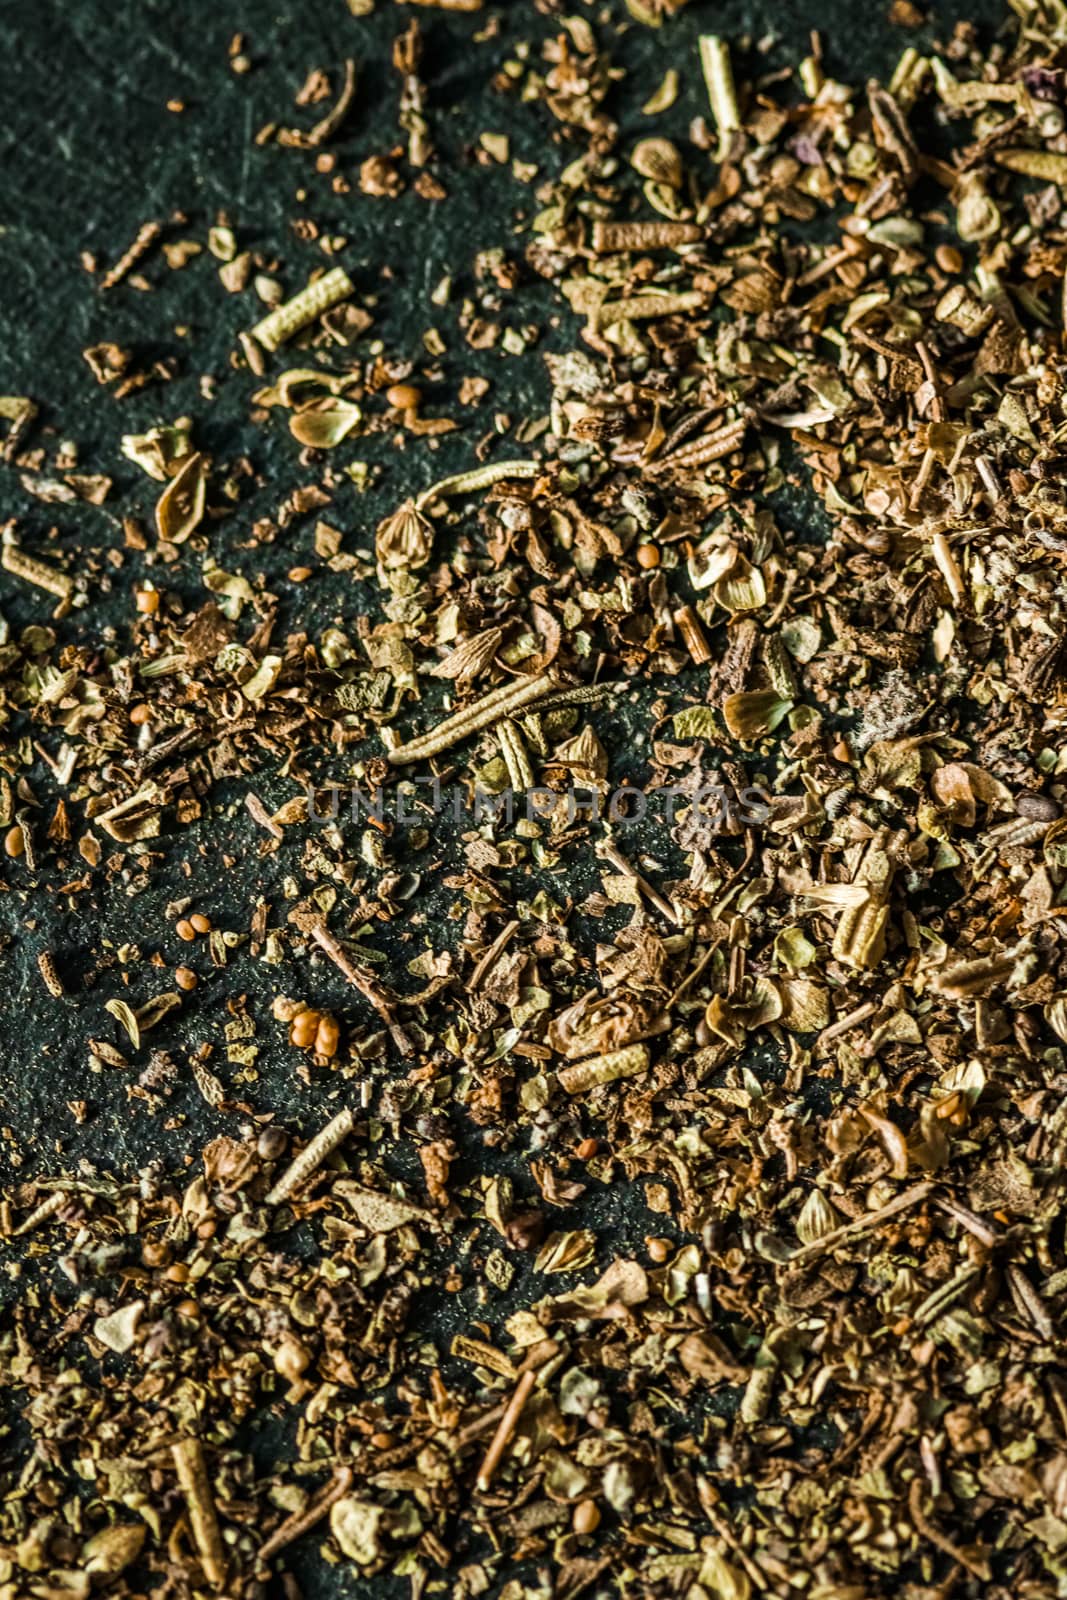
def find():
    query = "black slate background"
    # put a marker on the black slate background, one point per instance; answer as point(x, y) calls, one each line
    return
point(88, 152)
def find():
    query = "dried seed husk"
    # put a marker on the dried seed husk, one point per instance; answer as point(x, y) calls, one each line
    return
point(817, 1218)
point(742, 589)
point(754, 712)
point(161, 452)
point(662, 98)
point(805, 1005)
point(180, 508)
point(1056, 1016)
point(566, 1252)
point(659, 160)
point(125, 1014)
point(324, 423)
point(404, 539)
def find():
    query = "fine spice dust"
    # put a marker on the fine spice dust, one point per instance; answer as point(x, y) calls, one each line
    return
point(794, 527)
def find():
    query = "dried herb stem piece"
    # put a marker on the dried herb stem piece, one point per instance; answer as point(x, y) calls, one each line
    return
point(47, 968)
point(500, 702)
point(609, 1068)
point(609, 237)
point(516, 758)
point(977, 1569)
point(478, 478)
point(331, 122)
point(708, 447)
point(311, 1157)
point(693, 636)
point(42, 1212)
point(491, 956)
point(15, 560)
point(505, 1428)
point(296, 1526)
point(640, 307)
point(146, 238)
point(904, 1201)
point(722, 95)
point(364, 983)
point(615, 858)
point(851, 1019)
point(967, 1219)
point(288, 319)
point(1046, 165)
point(191, 1468)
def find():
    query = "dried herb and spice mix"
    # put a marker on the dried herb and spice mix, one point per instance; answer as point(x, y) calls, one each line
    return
point(539, 833)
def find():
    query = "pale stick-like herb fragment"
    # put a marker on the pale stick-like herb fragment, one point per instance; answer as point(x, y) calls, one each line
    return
point(145, 239)
point(639, 307)
point(296, 1526)
point(722, 95)
point(709, 447)
point(947, 566)
point(15, 560)
point(505, 1428)
point(47, 968)
point(492, 955)
point(195, 1485)
point(312, 1156)
point(693, 636)
point(516, 759)
point(288, 319)
point(611, 853)
point(609, 237)
point(477, 478)
point(609, 1068)
point(852, 1019)
point(42, 1212)
point(363, 982)
point(500, 702)
point(873, 1219)
point(977, 1569)
point(331, 122)
point(1045, 165)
